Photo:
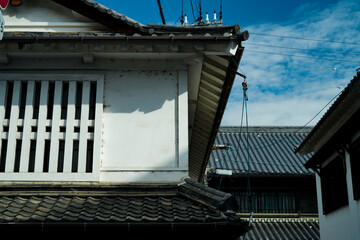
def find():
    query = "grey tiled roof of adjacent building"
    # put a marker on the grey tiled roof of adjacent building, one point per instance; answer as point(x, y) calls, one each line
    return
point(271, 151)
point(284, 229)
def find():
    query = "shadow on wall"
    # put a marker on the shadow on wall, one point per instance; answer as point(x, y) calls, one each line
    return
point(156, 174)
point(142, 91)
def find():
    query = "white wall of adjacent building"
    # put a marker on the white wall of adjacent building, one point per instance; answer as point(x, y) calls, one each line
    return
point(342, 223)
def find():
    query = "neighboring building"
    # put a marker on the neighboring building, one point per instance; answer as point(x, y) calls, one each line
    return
point(335, 144)
point(102, 118)
point(271, 181)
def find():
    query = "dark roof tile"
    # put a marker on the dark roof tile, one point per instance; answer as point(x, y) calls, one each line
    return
point(285, 229)
point(187, 205)
point(271, 151)
point(173, 205)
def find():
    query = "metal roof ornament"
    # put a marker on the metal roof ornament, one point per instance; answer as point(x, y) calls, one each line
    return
point(4, 4)
point(16, 3)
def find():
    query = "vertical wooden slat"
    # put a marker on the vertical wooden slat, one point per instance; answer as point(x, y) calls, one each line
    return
point(2, 107)
point(98, 127)
point(25, 146)
point(84, 126)
point(54, 143)
point(70, 127)
point(10, 154)
point(41, 128)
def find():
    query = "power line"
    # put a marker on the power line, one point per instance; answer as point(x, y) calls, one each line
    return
point(337, 69)
point(192, 9)
point(320, 111)
point(301, 49)
point(302, 56)
point(261, 146)
point(305, 39)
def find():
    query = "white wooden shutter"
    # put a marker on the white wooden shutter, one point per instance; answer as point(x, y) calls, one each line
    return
point(50, 127)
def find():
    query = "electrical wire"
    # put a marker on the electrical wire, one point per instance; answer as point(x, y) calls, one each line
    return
point(192, 9)
point(302, 49)
point(283, 139)
point(258, 147)
point(305, 39)
point(302, 56)
point(320, 111)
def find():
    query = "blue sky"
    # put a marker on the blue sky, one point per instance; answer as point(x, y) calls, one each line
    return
point(289, 79)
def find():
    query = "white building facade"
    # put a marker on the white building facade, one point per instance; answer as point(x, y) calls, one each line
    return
point(335, 142)
point(83, 101)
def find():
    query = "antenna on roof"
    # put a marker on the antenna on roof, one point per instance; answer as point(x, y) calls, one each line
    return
point(161, 12)
point(182, 13)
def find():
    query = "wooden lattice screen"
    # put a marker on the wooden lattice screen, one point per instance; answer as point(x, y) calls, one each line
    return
point(51, 127)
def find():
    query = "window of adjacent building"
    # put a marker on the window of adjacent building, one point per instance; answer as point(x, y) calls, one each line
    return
point(266, 202)
point(333, 185)
point(355, 168)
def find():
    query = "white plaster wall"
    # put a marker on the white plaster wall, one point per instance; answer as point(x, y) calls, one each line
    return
point(144, 125)
point(144, 138)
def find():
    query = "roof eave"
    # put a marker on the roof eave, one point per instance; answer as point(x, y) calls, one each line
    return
point(344, 107)
point(229, 80)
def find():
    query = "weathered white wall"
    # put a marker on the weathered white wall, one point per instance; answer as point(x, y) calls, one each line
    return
point(143, 114)
point(144, 125)
point(145, 133)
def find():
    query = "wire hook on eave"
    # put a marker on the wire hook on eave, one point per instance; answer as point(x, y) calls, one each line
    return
point(240, 74)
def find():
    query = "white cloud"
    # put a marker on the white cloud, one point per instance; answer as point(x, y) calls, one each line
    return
point(285, 90)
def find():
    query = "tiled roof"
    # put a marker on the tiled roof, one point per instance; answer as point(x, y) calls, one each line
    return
point(121, 23)
point(113, 13)
point(118, 209)
point(187, 203)
point(271, 151)
point(283, 229)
